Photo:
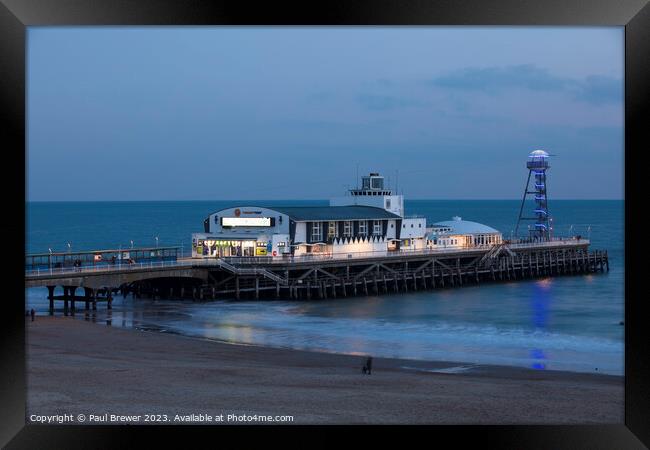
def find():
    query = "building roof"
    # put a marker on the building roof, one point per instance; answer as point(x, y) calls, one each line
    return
point(307, 213)
point(460, 226)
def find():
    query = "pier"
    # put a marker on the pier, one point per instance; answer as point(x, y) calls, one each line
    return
point(162, 274)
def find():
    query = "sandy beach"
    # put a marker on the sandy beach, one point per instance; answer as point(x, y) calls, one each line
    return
point(77, 367)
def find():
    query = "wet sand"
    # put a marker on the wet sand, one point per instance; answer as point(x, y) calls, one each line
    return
point(76, 367)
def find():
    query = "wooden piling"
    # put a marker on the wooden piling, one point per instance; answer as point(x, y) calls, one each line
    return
point(50, 296)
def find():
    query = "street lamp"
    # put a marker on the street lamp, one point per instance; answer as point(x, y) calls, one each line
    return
point(131, 243)
point(156, 237)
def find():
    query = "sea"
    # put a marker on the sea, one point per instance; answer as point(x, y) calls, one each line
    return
point(571, 323)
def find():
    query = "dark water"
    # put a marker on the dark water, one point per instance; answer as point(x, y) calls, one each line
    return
point(568, 323)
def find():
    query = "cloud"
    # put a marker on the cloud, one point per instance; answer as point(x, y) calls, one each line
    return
point(492, 80)
point(599, 90)
point(386, 102)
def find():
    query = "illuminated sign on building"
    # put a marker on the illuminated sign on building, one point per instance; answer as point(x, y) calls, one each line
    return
point(246, 221)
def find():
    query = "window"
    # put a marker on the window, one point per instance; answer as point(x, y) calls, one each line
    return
point(387, 203)
point(391, 225)
point(316, 231)
point(419, 225)
point(347, 228)
point(363, 228)
point(411, 225)
point(332, 230)
point(376, 227)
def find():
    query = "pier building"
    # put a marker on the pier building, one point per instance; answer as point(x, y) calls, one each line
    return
point(459, 233)
point(369, 220)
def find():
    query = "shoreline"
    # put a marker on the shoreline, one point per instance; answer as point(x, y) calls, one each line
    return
point(98, 370)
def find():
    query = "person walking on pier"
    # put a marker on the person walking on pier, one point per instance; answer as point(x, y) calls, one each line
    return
point(33, 314)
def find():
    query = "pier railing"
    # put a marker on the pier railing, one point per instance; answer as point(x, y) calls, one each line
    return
point(266, 260)
point(250, 260)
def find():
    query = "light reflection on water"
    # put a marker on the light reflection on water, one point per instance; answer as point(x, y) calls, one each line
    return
point(541, 298)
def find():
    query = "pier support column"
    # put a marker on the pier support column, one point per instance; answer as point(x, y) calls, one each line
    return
point(375, 285)
point(109, 298)
point(87, 294)
point(343, 290)
point(237, 288)
point(365, 286)
point(354, 286)
point(72, 298)
point(277, 289)
point(308, 290)
point(66, 296)
point(50, 296)
point(94, 299)
point(257, 288)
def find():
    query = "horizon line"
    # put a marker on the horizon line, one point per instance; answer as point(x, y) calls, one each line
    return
point(308, 199)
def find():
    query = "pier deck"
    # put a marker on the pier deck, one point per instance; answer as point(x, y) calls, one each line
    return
point(319, 276)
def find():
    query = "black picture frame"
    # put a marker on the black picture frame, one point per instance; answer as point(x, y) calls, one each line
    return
point(16, 15)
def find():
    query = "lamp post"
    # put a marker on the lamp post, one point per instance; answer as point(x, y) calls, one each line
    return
point(550, 233)
point(119, 259)
point(156, 238)
point(589, 232)
point(132, 243)
point(49, 262)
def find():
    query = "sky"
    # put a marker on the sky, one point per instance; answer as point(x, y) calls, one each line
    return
point(224, 113)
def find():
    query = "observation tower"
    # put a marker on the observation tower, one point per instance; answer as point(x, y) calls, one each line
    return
point(537, 165)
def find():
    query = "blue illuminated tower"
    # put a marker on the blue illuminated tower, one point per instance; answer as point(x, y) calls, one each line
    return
point(537, 166)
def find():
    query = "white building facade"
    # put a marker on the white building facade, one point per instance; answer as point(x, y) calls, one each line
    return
point(368, 221)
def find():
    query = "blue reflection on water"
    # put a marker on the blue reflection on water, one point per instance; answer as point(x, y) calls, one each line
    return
point(541, 299)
